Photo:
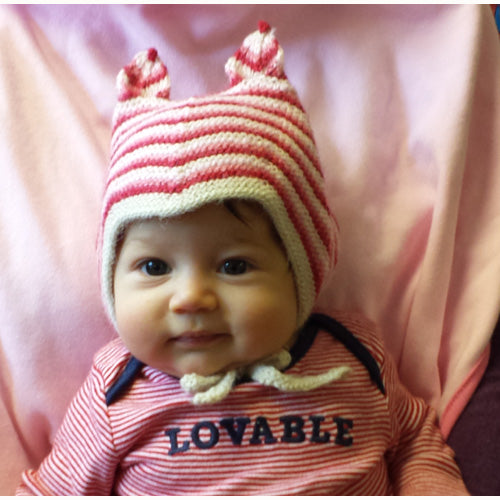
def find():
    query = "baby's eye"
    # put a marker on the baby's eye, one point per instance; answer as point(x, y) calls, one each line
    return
point(235, 266)
point(155, 267)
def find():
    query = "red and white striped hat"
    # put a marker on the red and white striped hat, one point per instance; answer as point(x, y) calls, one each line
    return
point(252, 141)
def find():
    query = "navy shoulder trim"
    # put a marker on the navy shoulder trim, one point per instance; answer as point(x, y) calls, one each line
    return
point(124, 381)
point(343, 335)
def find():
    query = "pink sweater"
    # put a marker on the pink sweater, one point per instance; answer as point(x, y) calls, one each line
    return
point(345, 438)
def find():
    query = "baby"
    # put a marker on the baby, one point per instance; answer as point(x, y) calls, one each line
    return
point(216, 238)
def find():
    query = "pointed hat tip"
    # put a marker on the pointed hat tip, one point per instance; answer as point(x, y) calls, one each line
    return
point(264, 27)
point(145, 76)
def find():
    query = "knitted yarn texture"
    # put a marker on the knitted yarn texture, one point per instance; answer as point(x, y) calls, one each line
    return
point(215, 388)
point(252, 141)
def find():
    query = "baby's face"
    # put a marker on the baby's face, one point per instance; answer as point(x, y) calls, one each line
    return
point(204, 292)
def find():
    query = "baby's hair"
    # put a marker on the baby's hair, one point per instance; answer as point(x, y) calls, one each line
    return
point(232, 205)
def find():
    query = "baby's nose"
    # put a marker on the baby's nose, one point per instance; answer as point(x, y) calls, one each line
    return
point(193, 293)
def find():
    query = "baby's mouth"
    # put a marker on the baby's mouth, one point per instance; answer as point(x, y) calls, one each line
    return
point(199, 338)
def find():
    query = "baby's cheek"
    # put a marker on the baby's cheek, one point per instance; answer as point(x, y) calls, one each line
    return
point(131, 319)
point(269, 326)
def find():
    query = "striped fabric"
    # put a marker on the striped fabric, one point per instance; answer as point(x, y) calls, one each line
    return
point(346, 438)
point(252, 141)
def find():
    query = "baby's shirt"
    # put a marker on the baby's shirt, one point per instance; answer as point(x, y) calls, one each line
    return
point(351, 437)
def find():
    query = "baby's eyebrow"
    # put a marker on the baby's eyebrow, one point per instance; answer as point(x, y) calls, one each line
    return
point(137, 238)
point(144, 242)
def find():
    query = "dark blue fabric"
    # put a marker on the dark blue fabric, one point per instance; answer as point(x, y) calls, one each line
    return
point(133, 367)
point(342, 334)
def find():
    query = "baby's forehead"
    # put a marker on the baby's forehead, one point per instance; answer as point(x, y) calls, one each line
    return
point(229, 216)
point(229, 211)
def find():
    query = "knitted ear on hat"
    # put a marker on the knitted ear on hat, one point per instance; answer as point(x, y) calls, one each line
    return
point(260, 54)
point(252, 141)
point(145, 76)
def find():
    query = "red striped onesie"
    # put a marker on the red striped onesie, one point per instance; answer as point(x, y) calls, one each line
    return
point(349, 437)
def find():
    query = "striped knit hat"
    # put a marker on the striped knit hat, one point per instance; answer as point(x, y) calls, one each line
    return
point(252, 141)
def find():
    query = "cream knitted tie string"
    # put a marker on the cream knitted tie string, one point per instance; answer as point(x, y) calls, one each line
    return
point(214, 388)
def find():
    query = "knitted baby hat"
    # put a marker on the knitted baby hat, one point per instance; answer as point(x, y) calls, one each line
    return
point(252, 141)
